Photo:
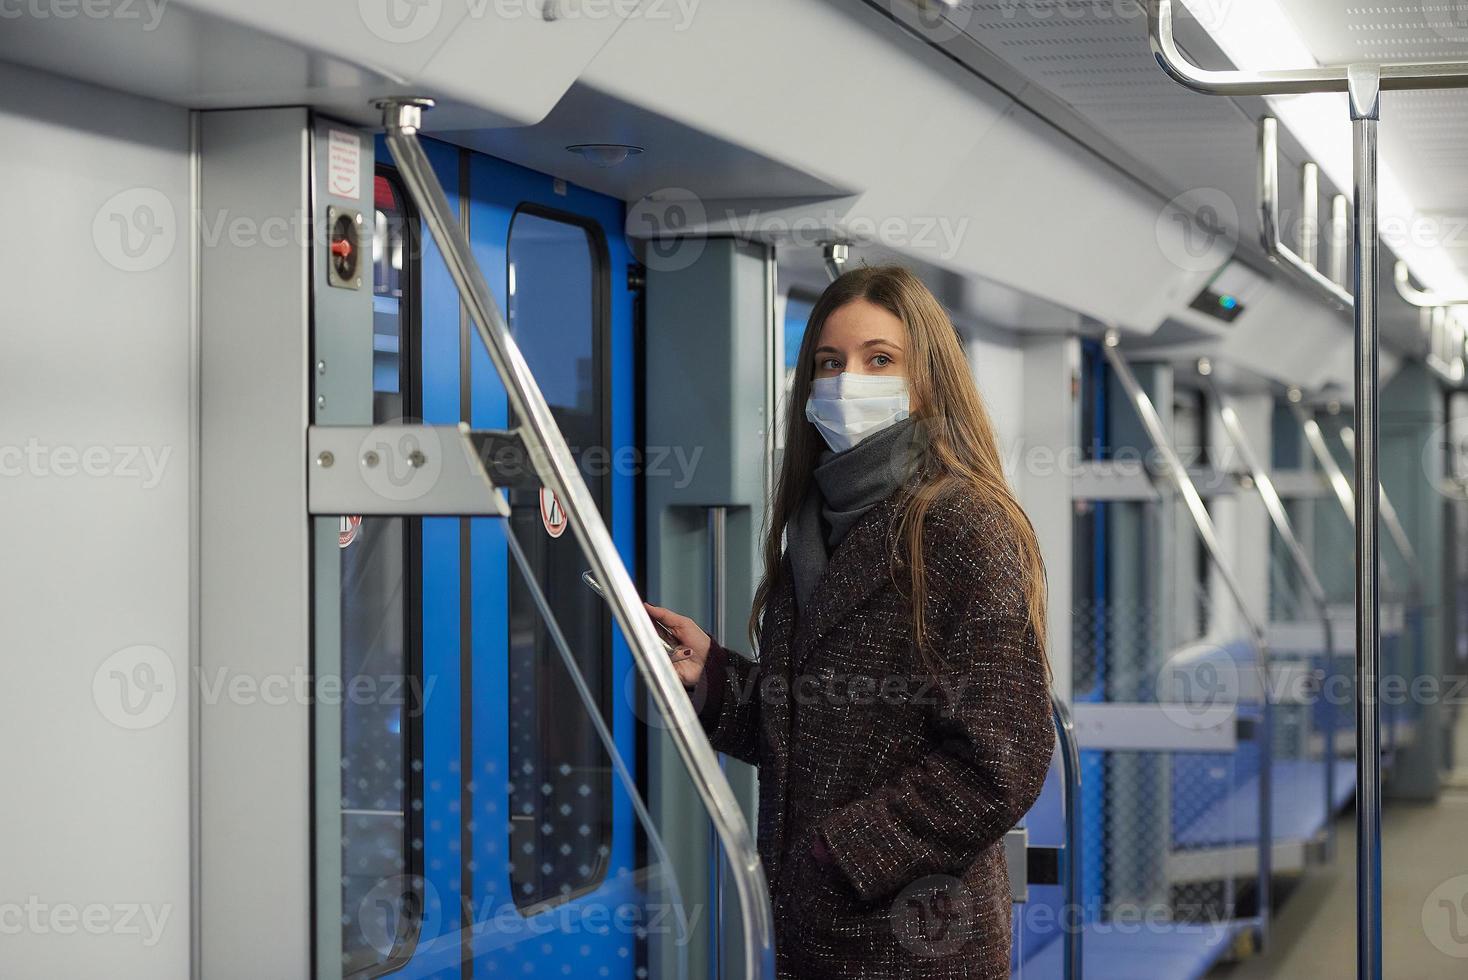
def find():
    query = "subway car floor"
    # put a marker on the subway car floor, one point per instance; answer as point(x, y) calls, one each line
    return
point(1422, 846)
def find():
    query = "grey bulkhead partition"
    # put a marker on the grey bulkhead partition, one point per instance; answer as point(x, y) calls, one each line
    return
point(1176, 473)
point(703, 526)
point(1363, 84)
point(1279, 517)
point(554, 465)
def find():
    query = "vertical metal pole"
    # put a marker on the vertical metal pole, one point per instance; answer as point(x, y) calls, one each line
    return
point(718, 522)
point(1365, 96)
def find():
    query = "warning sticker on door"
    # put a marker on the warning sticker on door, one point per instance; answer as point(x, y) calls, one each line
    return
point(344, 164)
point(347, 533)
point(552, 515)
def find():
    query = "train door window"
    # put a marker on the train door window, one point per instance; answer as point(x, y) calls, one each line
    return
point(560, 775)
point(380, 648)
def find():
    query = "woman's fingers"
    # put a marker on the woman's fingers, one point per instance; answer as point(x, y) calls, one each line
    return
point(675, 623)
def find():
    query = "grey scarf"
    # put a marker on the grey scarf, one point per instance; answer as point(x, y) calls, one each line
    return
point(846, 486)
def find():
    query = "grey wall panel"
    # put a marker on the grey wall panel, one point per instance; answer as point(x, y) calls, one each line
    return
point(707, 356)
point(254, 547)
point(94, 531)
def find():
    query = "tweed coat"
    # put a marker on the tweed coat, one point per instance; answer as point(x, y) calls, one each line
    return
point(910, 772)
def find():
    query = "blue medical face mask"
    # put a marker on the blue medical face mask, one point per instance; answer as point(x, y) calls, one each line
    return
point(849, 407)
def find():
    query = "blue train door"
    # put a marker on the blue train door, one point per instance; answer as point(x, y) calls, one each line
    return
point(523, 843)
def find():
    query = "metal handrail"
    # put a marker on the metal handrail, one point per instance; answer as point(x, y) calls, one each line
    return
point(1402, 276)
point(1302, 265)
point(1363, 84)
point(1434, 311)
point(1070, 768)
point(1280, 518)
point(1177, 474)
point(402, 119)
point(1293, 81)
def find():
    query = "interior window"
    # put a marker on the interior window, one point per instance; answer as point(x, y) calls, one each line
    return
point(561, 780)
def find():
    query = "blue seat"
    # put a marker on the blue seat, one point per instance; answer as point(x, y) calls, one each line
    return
point(1297, 810)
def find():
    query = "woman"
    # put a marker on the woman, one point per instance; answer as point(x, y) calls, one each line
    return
point(898, 712)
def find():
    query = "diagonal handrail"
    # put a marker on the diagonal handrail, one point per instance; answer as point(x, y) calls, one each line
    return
point(402, 118)
point(1177, 475)
point(1280, 518)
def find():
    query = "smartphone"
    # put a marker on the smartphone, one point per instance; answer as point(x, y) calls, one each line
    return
point(671, 646)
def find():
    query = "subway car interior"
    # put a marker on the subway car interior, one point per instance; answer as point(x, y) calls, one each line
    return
point(304, 471)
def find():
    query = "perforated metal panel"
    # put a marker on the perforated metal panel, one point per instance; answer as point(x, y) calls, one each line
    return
point(1424, 135)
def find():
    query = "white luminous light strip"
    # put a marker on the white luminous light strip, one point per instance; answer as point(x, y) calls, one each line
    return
point(1257, 35)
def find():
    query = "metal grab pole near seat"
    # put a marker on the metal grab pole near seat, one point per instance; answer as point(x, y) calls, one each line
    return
point(1363, 84)
point(1177, 475)
point(1071, 918)
point(1280, 518)
point(553, 463)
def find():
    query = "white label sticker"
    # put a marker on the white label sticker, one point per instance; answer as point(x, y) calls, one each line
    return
point(344, 164)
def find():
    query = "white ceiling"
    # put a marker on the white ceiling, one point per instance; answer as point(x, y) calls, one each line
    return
point(1087, 65)
point(1424, 135)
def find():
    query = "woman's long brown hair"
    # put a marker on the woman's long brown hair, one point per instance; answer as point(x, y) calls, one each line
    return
point(957, 435)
